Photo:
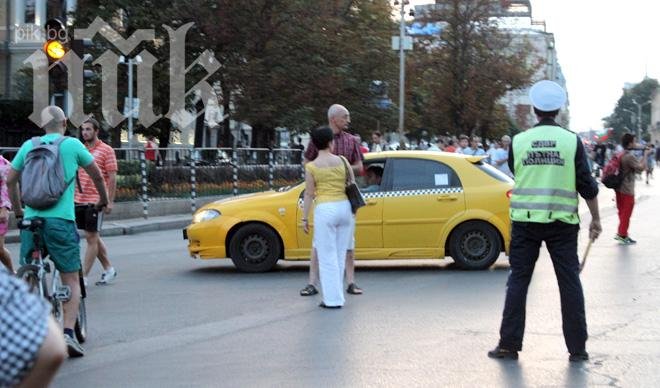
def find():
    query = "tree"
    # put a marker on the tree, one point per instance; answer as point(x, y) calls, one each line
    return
point(282, 62)
point(458, 77)
point(126, 17)
point(624, 117)
point(302, 58)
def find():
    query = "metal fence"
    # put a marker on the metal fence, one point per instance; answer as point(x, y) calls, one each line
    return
point(178, 173)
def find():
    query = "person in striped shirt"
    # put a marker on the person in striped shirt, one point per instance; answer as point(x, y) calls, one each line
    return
point(87, 217)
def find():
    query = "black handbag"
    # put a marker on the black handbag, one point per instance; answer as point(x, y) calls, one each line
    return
point(352, 191)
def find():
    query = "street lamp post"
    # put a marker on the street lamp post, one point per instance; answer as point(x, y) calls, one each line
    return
point(402, 63)
point(130, 62)
point(639, 116)
point(633, 115)
point(402, 68)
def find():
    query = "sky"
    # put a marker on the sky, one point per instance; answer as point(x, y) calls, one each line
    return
point(601, 45)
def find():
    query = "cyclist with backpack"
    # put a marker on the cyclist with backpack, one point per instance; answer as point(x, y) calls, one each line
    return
point(630, 166)
point(47, 166)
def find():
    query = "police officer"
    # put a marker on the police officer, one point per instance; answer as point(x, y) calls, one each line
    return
point(550, 168)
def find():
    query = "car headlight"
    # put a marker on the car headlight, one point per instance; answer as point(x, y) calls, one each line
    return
point(205, 215)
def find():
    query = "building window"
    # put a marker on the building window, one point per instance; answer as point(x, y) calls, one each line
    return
point(55, 9)
point(30, 11)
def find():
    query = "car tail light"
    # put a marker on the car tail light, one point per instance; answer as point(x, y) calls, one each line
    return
point(509, 193)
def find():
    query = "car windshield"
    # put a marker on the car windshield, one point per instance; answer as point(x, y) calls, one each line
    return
point(493, 172)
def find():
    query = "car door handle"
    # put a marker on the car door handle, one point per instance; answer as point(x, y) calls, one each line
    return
point(372, 203)
point(447, 197)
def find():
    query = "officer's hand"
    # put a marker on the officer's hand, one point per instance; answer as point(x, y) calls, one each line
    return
point(594, 229)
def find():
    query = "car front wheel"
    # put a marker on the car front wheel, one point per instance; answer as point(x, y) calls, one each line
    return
point(254, 248)
point(475, 245)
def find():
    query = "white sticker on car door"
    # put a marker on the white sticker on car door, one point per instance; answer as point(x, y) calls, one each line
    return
point(442, 179)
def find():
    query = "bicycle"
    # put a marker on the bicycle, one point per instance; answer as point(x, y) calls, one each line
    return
point(35, 275)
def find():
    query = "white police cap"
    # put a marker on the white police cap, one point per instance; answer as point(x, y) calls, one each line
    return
point(547, 96)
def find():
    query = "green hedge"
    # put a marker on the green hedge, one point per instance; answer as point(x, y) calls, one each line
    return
point(174, 181)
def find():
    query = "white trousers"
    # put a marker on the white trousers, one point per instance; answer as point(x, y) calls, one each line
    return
point(332, 232)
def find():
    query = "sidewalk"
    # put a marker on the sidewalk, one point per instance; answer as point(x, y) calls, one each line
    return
point(128, 226)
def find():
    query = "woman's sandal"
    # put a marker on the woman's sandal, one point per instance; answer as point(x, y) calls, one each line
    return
point(309, 290)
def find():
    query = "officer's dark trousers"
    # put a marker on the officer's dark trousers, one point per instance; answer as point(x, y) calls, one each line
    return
point(561, 241)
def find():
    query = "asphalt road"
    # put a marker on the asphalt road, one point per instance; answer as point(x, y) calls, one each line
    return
point(170, 321)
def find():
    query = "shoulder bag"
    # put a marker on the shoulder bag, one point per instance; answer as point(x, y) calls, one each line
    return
point(352, 191)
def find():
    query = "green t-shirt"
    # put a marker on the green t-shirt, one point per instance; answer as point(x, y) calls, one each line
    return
point(74, 155)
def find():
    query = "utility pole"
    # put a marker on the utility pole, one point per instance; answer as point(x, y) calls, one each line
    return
point(639, 117)
point(403, 45)
point(402, 69)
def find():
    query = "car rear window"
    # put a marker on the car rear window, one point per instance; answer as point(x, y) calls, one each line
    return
point(493, 172)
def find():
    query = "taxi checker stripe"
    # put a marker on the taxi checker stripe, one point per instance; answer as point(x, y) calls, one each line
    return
point(405, 193)
point(549, 192)
point(544, 206)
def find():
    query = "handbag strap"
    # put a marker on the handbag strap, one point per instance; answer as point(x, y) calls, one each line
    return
point(348, 174)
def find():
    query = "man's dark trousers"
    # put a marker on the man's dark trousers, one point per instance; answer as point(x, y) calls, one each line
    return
point(561, 241)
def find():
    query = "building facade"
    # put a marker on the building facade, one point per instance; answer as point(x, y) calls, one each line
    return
point(22, 33)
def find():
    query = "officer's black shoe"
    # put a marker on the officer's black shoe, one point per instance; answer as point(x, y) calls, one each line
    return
point(503, 353)
point(577, 357)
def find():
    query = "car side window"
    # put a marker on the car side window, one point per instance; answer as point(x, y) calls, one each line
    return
point(371, 180)
point(416, 174)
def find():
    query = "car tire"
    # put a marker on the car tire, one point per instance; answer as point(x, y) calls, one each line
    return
point(255, 248)
point(475, 245)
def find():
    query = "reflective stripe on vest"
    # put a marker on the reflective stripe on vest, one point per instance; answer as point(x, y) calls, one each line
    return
point(545, 183)
point(544, 206)
point(549, 192)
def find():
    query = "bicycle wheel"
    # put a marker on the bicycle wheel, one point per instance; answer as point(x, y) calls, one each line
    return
point(29, 273)
point(81, 322)
point(57, 306)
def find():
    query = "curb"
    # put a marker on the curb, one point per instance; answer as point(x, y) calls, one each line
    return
point(120, 229)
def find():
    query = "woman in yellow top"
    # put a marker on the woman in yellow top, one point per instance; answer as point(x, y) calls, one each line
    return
point(325, 185)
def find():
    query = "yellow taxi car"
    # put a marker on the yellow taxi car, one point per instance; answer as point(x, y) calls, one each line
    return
point(428, 205)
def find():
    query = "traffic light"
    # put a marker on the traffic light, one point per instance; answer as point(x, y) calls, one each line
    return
point(57, 44)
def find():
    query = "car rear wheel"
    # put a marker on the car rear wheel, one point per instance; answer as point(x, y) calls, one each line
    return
point(255, 248)
point(475, 245)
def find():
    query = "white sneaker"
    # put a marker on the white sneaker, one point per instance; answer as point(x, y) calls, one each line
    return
point(73, 347)
point(107, 276)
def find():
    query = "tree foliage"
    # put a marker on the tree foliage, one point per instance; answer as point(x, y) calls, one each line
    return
point(458, 77)
point(284, 62)
point(624, 118)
